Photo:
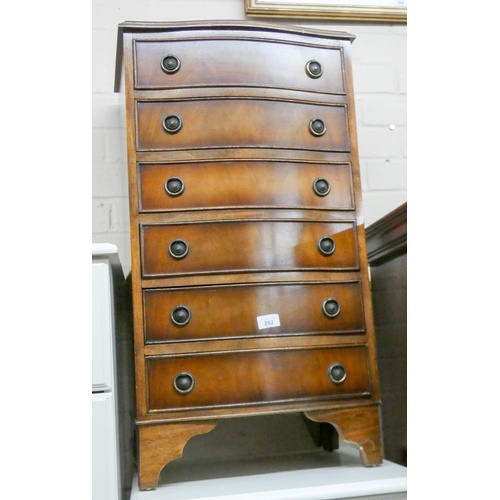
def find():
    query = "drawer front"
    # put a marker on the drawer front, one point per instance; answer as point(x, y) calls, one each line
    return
point(231, 184)
point(229, 246)
point(255, 377)
point(245, 63)
point(219, 123)
point(202, 313)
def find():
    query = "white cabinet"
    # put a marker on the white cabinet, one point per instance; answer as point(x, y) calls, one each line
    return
point(112, 425)
point(105, 458)
point(102, 327)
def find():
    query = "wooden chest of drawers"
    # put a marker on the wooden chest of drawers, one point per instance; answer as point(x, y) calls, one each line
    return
point(249, 269)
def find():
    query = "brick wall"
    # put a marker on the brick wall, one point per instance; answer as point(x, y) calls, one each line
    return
point(379, 58)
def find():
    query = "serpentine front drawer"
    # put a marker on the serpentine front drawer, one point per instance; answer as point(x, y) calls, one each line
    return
point(256, 377)
point(227, 246)
point(233, 62)
point(217, 312)
point(209, 123)
point(244, 183)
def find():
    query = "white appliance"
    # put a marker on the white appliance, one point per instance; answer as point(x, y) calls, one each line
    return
point(112, 378)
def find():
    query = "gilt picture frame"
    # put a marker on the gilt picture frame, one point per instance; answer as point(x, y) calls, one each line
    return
point(387, 11)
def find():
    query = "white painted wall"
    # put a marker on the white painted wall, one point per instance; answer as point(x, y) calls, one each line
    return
point(379, 65)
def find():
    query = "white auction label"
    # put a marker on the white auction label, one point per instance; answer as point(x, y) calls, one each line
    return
point(268, 321)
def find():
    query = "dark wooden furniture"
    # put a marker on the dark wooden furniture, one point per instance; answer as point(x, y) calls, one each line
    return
point(386, 246)
point(249, 268)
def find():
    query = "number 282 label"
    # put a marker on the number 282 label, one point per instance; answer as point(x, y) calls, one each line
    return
point(268, 321)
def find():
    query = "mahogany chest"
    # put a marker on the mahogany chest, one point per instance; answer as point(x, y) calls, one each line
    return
point(249, 269)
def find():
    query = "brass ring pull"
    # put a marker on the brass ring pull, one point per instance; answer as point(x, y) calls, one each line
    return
point(326, 245)
point(180, 315)
point(172, 124)
point(174, 186)
point(178, 249)
point(184, 383)
point(170, 64)
point(321, 186)
point(337, 373)
point(314, 69)
point(317, 127)
point(331, 308)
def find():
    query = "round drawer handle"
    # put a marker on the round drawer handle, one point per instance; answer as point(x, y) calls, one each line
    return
point(326, 245)
point(180, 315)
point(337, 373)
point(331, 308)
point(314, 69)
point(183, 382)
point(321, 186)
point(174, 186)
point(178, 249)
point(172, 124)
point(317, 127)
point(170, 64)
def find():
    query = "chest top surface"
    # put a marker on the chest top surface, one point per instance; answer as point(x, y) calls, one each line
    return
point(225, 59)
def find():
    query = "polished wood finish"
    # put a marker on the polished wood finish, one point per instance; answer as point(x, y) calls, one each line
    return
point(235, 62)
point(359, 425)
point(160, 444)
point(256, 377)
point(217, 123)
point(386, 238)
point(227, 246)
point(232, 311)
point(386, 241)
point(236, 187)
point(244, 184)
point(201, 30)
